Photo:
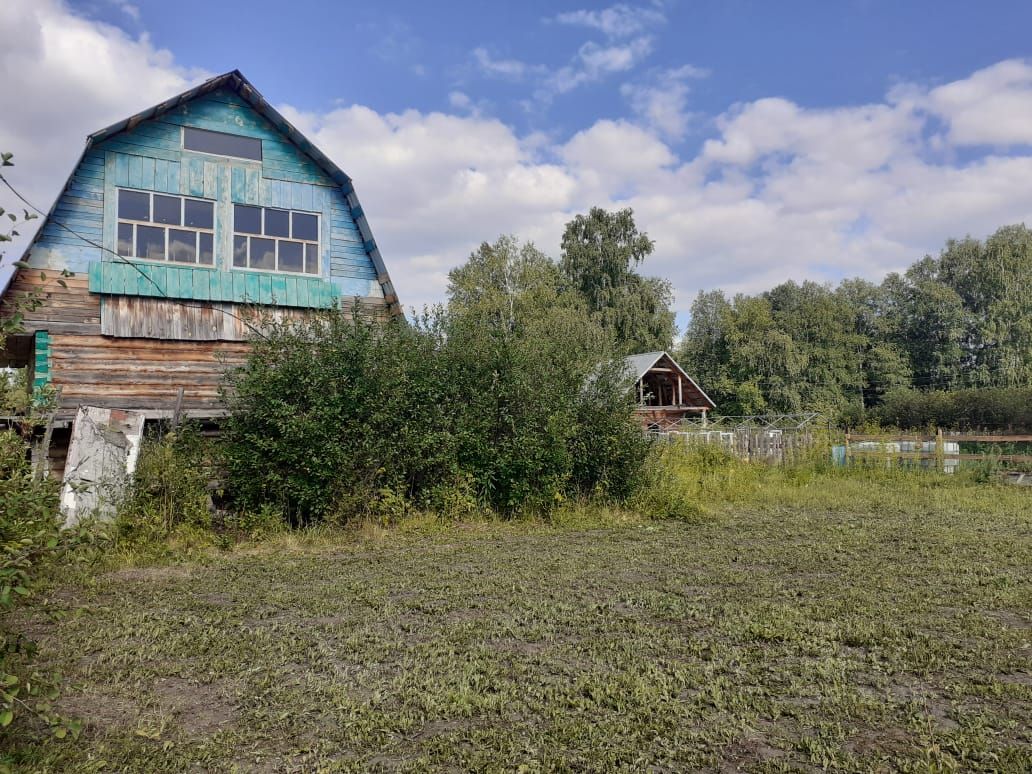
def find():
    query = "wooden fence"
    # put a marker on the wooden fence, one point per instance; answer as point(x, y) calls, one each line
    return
point(941, 446)
point(751, 445)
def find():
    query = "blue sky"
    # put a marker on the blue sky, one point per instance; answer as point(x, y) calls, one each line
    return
point(756, 141)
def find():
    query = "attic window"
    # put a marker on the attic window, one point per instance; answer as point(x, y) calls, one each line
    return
point(221, 144)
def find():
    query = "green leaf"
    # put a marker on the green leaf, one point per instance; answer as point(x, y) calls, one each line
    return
point(22, 590)
point(21, 264)
point(6, 717)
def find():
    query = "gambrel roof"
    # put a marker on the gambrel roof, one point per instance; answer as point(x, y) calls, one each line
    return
point(236, 81)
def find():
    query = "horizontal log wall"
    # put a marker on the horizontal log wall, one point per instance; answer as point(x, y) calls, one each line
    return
point(140, 373)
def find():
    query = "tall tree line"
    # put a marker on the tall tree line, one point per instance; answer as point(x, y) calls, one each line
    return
point(959, 320)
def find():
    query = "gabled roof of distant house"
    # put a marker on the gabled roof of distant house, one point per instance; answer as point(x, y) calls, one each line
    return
point(640, 364)
point(236, 81)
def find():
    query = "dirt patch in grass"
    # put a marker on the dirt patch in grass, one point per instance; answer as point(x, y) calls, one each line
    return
point(150, 574)
point(200, 709)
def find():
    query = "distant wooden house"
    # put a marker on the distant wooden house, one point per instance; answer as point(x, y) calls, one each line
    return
point(666, 393)
point(178, 223)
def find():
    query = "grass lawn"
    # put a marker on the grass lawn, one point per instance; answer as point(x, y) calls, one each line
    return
point(853, 625)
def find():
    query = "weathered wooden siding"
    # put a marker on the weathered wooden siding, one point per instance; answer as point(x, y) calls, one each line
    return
point(68, 308)
point(137, 373)
point(130, 317)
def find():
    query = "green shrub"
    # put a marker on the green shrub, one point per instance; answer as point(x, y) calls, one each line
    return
point(339, 418)
point(30, 540)
point(169, 488)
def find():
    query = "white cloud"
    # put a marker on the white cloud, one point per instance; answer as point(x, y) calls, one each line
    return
point(64, 77)
point(502, 68)
point(992, 107)
point(616, 21)
point(592, 63)
point(662, 100)
point(779, 191)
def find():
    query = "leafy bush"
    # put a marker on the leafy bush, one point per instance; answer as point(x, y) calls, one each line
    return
point(29, 540)
point(339, 417)
point(169, 488)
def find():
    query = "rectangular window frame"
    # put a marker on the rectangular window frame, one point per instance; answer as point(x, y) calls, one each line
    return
point(166, 227)
point(317, 242)
point(241, 159)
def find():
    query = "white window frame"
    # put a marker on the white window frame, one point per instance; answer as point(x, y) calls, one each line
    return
point(317, 242)
point(167, 260)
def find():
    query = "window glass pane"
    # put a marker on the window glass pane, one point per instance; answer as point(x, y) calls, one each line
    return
point(311, 259)
point(206, 255)
point(200, 214)
point(240, 251)
point(167, 209)
point(150, 243)
point(263, 253)
point(305, 226)
point(182, 246)
point(133, 205)
point(247, 220)
point(222, 143)
point(291, 256)
point(277, 223)
point(125, 239)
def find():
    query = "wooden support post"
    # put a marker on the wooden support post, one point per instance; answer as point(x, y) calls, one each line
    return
point(43, 458)
point(680, 393)
point(940, 450)
point(704, 417)
point(641, 392)
point(178, 410)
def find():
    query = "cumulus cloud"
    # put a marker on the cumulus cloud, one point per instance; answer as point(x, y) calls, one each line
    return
point(66, 76)
point(616, 21)
point(779, 191)
point(992, 107)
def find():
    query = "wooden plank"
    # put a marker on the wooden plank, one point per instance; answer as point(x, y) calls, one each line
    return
point(239, 286)
point(252, 178)
point(147, 173)
point(121, 170)
point(200, 284)
point(136, 172)
point(278, 289)
point(238, 191)
point(210, 186)
point(161, 175)
point(196, 177)
point(254, 290)
point(174, 185)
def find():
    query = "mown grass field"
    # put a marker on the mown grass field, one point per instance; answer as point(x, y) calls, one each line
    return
point(853, 621)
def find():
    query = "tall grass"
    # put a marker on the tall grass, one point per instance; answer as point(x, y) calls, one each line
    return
point(693, 482)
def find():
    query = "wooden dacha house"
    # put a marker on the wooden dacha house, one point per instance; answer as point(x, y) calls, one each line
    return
point(177, 223)
point(665, 393)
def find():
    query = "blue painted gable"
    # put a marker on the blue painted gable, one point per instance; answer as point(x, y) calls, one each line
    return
point(146, 153)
